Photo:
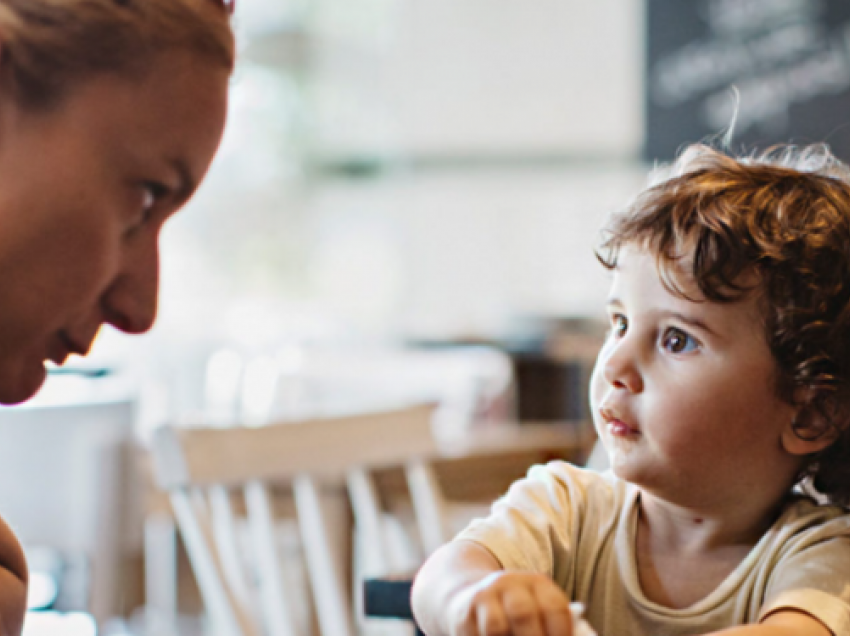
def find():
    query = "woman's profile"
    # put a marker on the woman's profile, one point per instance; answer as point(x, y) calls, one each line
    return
point(110, 114)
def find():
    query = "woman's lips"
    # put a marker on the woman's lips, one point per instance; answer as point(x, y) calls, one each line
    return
point(61, 347)
point(58, 351)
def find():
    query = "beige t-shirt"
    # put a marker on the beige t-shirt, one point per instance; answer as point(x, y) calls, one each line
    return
point(578, 527)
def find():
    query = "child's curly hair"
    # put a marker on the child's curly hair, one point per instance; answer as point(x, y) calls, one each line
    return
point(785, 215)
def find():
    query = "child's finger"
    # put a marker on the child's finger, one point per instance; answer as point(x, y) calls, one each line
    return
point(522, 612)
point(465, 627)
point(554, 610)
point(491, 619)
point(463, 620)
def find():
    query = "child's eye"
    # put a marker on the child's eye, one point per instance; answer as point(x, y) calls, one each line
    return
point(677, 341)
point(619, 325)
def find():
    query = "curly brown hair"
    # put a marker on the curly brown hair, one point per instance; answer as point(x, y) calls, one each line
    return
point(785, 215)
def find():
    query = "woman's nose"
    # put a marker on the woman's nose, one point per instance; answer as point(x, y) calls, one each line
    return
point(620, 367)
point(130, 303)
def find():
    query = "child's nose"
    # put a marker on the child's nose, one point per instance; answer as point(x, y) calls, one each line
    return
point(621, 370)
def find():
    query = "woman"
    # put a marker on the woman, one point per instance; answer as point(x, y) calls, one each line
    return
point(110, 113)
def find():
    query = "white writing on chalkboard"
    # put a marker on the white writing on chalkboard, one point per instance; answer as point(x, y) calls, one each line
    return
point(766, 98)
point(775, 52)
point(744, 16)
point(702, 66)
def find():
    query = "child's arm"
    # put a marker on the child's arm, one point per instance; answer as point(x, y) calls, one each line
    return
point(462, 590)
point(784, 623)
point(13, 583)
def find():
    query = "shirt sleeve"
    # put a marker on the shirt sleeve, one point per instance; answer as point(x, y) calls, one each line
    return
point(536, 526)
point(812, 574)
point(829, 610)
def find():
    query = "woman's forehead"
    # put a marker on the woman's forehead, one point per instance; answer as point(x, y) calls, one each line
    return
point(176, 109)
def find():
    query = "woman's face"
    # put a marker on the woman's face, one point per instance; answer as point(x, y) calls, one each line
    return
point(84, 191)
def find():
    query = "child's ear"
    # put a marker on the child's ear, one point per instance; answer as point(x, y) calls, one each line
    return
point(808, 432)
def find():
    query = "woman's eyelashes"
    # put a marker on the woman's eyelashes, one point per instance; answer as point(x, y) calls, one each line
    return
point(152, 193)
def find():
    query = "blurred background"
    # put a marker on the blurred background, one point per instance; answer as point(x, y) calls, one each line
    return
point(409, 193)
point(429, 172)
point(398, 172)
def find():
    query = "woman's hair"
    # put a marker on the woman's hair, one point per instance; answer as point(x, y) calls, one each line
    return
point(47, 46)
point(785, 216)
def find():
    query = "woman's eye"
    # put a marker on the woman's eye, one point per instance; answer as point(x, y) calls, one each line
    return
point(151, 194)
point(619, 325)
point(677, 341)
point(148, 198)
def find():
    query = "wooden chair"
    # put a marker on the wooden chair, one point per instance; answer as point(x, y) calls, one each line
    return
point(317, 461)
point(470, 473)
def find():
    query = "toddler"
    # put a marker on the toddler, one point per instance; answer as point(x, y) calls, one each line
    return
point(722, 395)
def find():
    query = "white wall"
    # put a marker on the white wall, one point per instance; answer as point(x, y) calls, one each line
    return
point(455, 251)
point(464, 254)
point(467, 76)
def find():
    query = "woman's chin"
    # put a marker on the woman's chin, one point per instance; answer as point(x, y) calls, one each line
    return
point(18, 383)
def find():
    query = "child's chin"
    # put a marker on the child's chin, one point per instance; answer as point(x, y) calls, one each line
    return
point(620, 452)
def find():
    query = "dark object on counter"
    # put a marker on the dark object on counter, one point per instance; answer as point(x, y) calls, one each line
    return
point(550, 390)
point(86, 372)
point(388, 598)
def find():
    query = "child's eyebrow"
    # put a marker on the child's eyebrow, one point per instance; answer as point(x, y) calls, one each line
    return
point(689, 320)
point(676, 315)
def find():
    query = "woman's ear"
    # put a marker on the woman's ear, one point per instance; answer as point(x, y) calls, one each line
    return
point(807, 433)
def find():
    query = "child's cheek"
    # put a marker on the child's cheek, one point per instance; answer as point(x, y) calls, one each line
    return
point(598, 387)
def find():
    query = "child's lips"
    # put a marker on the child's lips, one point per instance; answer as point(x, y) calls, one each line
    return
point(618, 428)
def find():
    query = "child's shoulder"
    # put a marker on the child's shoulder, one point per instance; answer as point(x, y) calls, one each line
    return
point(808, 531)
point(570, 484)
point(802, 514)
point(571, 474)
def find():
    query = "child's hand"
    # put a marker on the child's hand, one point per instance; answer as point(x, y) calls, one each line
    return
point(511, 604)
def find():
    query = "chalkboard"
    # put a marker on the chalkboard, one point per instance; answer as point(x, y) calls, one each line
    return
point(789, 61)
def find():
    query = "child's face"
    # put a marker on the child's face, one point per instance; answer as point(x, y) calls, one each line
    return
point(683, 392)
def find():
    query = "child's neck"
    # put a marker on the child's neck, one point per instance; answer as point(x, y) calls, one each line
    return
point(688, 530)
point(683, 554)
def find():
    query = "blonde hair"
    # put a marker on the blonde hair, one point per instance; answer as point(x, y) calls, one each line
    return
point(47, 46)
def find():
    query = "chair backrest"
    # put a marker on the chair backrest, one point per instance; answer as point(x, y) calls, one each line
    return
point(202, 468)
